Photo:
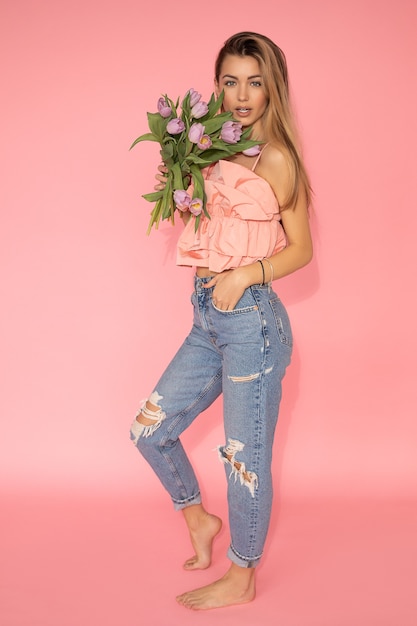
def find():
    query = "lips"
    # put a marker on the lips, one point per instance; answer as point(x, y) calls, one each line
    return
point(243, 111)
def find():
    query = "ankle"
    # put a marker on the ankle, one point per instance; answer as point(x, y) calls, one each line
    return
point(243, 574)
point(194, 515)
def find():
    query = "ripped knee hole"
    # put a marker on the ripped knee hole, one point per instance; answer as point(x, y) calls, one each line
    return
point(148, 419)
point(238, 466)
point(238, 469)
point(148, 413)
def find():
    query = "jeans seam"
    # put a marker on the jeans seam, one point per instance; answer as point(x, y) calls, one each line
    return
point(188, 409)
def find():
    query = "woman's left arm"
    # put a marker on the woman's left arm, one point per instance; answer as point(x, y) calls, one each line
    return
point(230, 284)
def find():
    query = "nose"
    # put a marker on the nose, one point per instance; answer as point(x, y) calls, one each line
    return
point(242, 95)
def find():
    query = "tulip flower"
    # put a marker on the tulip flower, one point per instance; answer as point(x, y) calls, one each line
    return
point(196, 206)
point(163, 107)
point(182, 200)
point(196, 132)
point(205, 142)
point(231, 132)
point(199, 110)
point(194, 97)
point(253, 151)
point(175, 126)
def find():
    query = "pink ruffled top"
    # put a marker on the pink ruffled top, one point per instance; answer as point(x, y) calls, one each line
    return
point(244, 225)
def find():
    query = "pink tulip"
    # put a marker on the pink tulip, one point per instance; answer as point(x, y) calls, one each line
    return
point(231, 132)
point(164, 108)
point(196, 132)
point(182, 200)
point(199, 110)
point(254, 151)
point(194, 97)
point(175, 126)
point(205, 142)
point(196, 206)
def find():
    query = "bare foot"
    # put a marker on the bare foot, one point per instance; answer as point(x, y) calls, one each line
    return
point(236, 587)
point(203, 529)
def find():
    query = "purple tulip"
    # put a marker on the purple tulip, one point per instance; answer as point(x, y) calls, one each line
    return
point(182, 200)
point(205, 142)
point(194, 97)
point(254, 151)
point(196, 132)
point(199, 110)
point(164, 108)
point(231, 132)
point(196, 206)
point(175, 126)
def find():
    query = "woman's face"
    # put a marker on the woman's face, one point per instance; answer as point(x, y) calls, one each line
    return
point(244, 90)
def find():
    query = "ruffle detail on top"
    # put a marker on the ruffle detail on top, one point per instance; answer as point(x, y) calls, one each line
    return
point(244, 225)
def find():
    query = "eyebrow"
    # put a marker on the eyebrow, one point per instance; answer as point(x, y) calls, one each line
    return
point(236, 78)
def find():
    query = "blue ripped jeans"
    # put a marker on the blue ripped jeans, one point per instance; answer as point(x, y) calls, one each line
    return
point(244, 354)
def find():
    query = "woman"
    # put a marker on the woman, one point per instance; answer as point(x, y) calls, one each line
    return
point(240, 343)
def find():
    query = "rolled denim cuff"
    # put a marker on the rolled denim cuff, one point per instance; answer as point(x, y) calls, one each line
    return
point(242, 561)
point(178, 505)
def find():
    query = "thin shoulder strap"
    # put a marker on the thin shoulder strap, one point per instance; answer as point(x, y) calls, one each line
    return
point(258, 157)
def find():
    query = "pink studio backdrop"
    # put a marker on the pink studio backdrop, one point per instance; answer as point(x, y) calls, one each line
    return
point(92, 309)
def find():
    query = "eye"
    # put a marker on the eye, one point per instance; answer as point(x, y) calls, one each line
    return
point(229, 83)
point(256, 83)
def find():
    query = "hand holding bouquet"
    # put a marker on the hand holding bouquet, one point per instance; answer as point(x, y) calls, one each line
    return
point(191, 138)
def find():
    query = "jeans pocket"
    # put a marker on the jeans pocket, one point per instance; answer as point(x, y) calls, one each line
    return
point(246, 304)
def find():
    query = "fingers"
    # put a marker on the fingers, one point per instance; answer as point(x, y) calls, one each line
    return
point(216, 279)
point(161, 184)
point(227, 291)
point(162, 177)
point(211, 283)
point(223, 300)
point(163, 168)
point(223, 306)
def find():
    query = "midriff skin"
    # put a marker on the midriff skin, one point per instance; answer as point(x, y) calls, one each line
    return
point(204, 272)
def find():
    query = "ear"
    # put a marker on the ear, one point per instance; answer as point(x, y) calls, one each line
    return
point(216, 88)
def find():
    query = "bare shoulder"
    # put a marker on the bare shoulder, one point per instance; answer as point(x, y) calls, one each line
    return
point(273, 166)
point(273, 156)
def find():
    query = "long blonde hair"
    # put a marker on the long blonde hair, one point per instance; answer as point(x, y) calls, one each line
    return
point(278, 122)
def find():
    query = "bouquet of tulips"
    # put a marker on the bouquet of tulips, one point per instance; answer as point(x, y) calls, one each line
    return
point(191, 138)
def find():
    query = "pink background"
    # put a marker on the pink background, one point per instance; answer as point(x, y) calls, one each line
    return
point(92, 309)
